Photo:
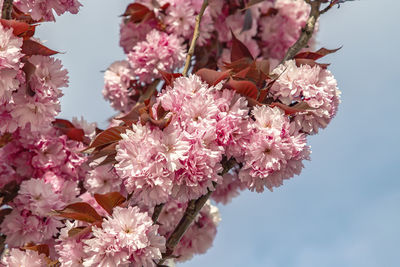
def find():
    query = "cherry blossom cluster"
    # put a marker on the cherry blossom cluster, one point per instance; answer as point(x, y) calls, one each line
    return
point(43, 10)
point(76, 195)
point(159, 41)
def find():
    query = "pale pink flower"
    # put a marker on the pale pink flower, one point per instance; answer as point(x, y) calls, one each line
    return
point(131, 33)
point(180, 18)
point(103, 179)
point(313, 85)
point(230, 188)
point(28, 258)
point(10, 49)
point(8, 84)
point(43, 9)
point(127, 236)
point(142, 165)
point(48, 77)
point(38, 197)
point(117, 89)
point(273, 143)
point(280, 31)
point(21, 227)
point(160, 51)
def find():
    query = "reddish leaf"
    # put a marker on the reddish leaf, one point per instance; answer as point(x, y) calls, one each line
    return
point(132, 115)
point(138, 13)
point(30, 47)
point(41, 249)
point(245, 88)
point(67, 128)
point(239, 50)
point(79, 232)
point(110, 200)
point(238, 65)
point(310, 62)
point(212, 77)
point(110, 159)
point(74, 134)
point(108, 136)
point(290, 110)
point(80, 211)
point(20, 29)
point(169, 78)
point(316, 55)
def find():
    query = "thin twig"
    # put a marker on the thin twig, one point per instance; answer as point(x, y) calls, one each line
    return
point(306, 33)
point(196, 34)
point(193, 208)
point(7, 9)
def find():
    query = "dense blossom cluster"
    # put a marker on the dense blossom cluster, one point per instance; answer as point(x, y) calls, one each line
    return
point(76, 195)
point(152, 47)
point(44, 10)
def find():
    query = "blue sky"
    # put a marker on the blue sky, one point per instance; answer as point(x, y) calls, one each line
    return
point(343, 210)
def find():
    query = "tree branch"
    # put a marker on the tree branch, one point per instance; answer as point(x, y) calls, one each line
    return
point(306, 32)
point(196, 34)
point(193, 208)
point(7, 9)
point(157, 211)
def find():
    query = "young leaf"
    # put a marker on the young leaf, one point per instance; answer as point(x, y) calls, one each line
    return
point(109, 201)
point(316, 55)
point(30, 47)
point(245, 88)
point(169, 78)
point(41, 249)
point(239, 50)
point(212, 77)
point(19, 27)
point(80, 211)
point(108, 136)
point(138, 13)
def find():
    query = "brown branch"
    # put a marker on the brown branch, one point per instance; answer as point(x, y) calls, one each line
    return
point(306, 32)
point(7, 9)
point(196, 34)
point(157, 211)
point(193, 208)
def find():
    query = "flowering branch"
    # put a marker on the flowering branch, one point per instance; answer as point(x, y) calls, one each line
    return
point(307, 31)
point(194, 39)
point(7, 9)
point(193, 208)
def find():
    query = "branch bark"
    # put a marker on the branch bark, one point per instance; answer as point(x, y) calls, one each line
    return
point(7, 9)
point(157, 211)
point(193, 208)
point(306, 32)
point(194, 39)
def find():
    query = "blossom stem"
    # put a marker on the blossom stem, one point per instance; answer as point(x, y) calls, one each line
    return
point(196, 34)
point(7, 9)
point(193, 208)
point(306, 32)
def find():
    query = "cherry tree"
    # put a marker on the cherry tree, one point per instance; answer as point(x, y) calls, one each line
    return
point(214, 97)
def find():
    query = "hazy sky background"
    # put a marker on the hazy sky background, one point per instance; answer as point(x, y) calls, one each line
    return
point(343, 210)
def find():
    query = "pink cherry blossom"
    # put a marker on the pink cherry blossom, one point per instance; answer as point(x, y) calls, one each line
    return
point(127, 236)
point(160, 51)
point(19, 258)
